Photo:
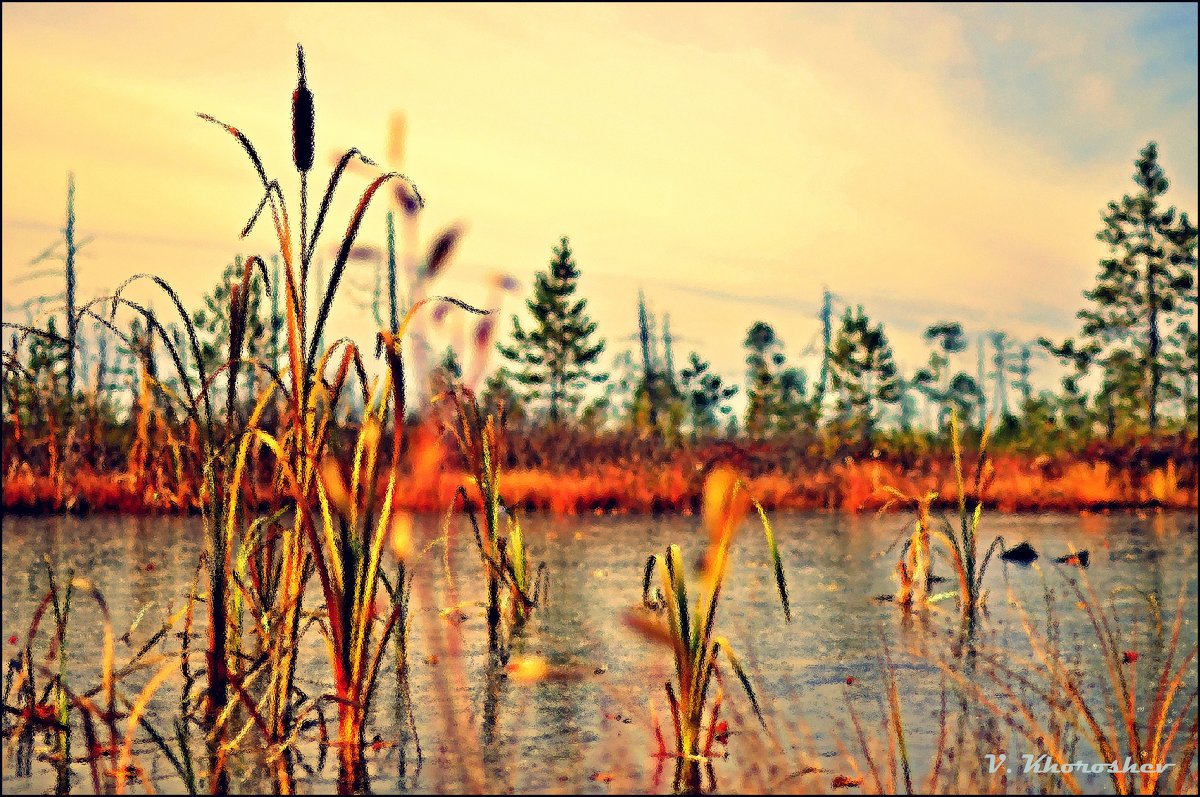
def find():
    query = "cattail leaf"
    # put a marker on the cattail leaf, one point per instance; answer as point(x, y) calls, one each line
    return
point(334, 178)
point(736, 663)
point(343, 256)
point(251, 152)
point(365, 252)
point(674, 563)
point(647, 577)
point(776, 560)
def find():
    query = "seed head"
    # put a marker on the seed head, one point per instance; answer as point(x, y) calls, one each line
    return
point(303, 114)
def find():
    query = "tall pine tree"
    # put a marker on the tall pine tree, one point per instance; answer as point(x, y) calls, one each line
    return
point(863, 373)
point(553, 359)
point(1143, 299)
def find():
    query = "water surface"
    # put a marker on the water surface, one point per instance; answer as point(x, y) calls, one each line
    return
point(571, 734)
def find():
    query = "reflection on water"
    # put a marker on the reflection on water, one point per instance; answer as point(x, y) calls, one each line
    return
point(477, 725)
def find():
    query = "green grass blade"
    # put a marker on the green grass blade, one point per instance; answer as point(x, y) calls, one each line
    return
point(740, 671)
point(776, 560)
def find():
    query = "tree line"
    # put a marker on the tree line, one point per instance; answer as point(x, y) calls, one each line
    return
point(1130, 370)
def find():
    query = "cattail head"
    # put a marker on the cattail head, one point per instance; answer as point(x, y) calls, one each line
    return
point(441, 250)
point(483, 334)
point(406, 198)
point(303, 115)
point(365, 252)
point(507, 282)
point(397, 132)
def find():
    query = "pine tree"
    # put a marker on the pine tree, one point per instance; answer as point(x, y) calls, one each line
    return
point(555, 356)
point(1144, 290)
point(501, 400)
point(937, 380)
point(764, 359)
point(706, 395)
point(863, 372)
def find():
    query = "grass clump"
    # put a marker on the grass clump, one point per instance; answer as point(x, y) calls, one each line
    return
point(691, 632)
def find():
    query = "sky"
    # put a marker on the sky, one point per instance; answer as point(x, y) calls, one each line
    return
point(931, 163)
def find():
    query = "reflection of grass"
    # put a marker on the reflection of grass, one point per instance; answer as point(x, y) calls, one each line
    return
point(59, 707)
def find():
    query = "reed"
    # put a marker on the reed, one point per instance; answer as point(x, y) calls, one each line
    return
point(1043, 699)
point(690, 632)
point(59, 708)
point(961, 544)
point(505, 558)
point(338, 531)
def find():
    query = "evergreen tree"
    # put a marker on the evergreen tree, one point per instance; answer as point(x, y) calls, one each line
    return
point(941, 385)
point(555, 356)
point(862, 372)
point(1144, 290)
point(705, 394)
point(620, 391)
point(1183, 362)
point(213, 328)
point(764, 359)
point(500, 399)
point(446, 375)
point(657, 405)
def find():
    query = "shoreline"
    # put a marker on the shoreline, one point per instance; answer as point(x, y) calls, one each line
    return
point(1019, 486)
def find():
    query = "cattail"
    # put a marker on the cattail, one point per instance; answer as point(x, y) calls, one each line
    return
point(365, 252)
point(303, 138)
point(483, 334)
point(441, 250)
point(406, 198)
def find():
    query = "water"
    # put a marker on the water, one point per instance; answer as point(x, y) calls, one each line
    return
point(577, 733)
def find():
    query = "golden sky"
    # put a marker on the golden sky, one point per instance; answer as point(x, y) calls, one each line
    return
point(928, 162)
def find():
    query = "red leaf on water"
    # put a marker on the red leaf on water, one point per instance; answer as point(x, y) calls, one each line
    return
point(1130, 656)
point(844, 782)
point(849, 680)
point(12, 640)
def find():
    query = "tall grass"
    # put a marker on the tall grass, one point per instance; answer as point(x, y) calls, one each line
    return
point(338, 531)
point(1043, 698)
point(961, 544)
point(691, 632)
point(504, 557)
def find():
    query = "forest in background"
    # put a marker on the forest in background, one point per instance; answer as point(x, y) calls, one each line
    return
point(93, 420)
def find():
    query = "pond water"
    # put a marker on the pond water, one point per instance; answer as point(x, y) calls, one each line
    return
point(590, 731)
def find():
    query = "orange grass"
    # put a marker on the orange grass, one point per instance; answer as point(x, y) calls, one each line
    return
point(1020, 484)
